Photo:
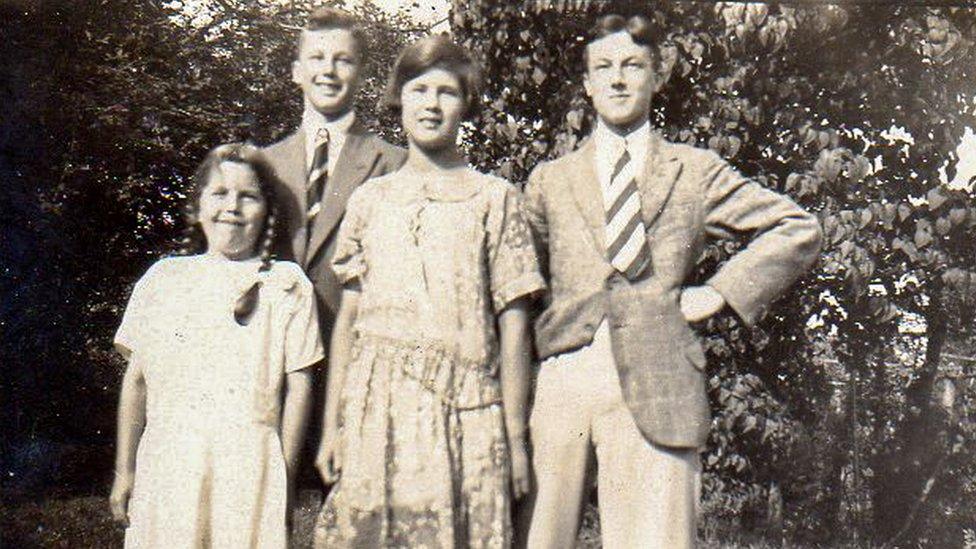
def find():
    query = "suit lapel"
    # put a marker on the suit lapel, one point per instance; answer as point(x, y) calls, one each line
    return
point(587, 194)
point(290, 168)
point(661, 170)
point(355, 163)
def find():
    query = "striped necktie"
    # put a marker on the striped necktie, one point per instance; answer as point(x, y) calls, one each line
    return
point(317, 174)
point(627, 247)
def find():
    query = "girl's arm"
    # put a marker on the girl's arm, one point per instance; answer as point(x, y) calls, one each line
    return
point(340, 351)
point(294, 417)
point(513, 326)
point(131, 421)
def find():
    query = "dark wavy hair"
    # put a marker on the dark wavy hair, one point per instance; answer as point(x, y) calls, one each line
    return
point(436, 51)
point(195, 242)
point(639, 27)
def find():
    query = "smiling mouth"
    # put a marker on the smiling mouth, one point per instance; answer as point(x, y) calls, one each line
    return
point(429, 122)
point(329, 87)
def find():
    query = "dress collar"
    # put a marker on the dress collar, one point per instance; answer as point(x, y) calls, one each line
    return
point(456, 185)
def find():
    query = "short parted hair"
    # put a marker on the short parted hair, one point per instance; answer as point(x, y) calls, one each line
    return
point(639, 27)
point(327, 18)
point(436, 51)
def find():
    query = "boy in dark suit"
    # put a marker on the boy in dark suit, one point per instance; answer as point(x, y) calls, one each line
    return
point(330, 154)
point(623, 221)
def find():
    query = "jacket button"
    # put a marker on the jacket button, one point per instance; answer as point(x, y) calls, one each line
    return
point(588, 326)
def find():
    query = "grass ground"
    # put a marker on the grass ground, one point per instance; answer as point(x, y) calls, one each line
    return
point(84, 521)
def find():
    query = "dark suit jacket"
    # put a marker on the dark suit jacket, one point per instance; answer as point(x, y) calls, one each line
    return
point(363, 155)
point(687, 196)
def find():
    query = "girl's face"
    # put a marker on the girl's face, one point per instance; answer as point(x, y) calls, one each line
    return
point(232, 211)
point(432, 108)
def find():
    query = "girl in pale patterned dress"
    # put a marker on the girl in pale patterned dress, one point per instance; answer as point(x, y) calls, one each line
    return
point(426, 404)
point(215, 397)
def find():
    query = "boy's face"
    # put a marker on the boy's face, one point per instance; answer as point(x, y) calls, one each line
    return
point(328, 69)
point(620, 79)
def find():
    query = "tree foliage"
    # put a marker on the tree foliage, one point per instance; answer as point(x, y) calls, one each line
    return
point(108, 106)
point(856, 112)
point(824, 415)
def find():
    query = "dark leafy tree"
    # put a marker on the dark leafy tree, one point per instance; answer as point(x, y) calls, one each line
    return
point(825, 413)
point(107, 108)
point(851, 404)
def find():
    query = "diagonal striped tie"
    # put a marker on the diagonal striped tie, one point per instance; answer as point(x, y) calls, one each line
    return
point(317, 174)
point(627, 246)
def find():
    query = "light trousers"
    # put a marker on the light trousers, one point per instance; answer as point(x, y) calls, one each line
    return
point(647, 494)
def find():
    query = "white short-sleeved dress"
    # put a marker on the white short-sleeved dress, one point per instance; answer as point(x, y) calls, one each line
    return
point(209, 468)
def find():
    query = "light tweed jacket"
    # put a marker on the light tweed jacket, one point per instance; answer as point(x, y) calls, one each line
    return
point(687, 196)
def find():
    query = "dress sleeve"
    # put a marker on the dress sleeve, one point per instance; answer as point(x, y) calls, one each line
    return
point(137, 316)
point(348, 262)
point(303, 337)
point(534, 207)
point(513, 264)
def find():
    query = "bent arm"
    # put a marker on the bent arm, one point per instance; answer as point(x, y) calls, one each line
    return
point(784, 239)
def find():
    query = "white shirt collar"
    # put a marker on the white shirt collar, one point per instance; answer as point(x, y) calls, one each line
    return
point(636, 139)
point(610, 145)
point(312, 120)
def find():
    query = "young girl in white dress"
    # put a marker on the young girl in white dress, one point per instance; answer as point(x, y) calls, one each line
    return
point(217, 390)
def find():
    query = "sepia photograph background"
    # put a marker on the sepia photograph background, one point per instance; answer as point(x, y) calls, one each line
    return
point(844, 419)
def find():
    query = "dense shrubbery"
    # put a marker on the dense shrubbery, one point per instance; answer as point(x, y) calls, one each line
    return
point(108, 108)
point(824, 415)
